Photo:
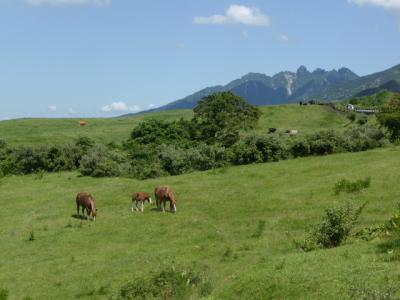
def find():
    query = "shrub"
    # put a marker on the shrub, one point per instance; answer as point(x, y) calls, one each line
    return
point(3, 144)
point(174, 160)
point(170, 283)
point(205, 157)
point(393, 224)
point(84, 143)
point(101, 162)
point(325, 142)
point(300, 148)
point(246, 152)
point(363, 138)
point(362, 120)
point(334, 229)
point(272, 148)
point(351, 116)
point(158, 132)
point(347, 186)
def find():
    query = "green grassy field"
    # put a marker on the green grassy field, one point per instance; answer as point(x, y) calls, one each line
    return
point(218, 212)
point(306, 119)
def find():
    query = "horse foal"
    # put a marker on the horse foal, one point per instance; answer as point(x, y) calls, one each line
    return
point(140, 198)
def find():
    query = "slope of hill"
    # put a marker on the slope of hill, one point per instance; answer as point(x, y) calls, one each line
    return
point(353, 87)
point(390, 86)
point(52, 131)
point(219, 213)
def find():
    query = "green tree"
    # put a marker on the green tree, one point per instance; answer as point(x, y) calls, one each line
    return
point(220, 117)
point(390, 118)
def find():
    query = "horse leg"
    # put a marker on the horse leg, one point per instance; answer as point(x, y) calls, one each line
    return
point(132, 205)
point(164, 204)
point(137, 205)
point(77, 208)
point(142, 206)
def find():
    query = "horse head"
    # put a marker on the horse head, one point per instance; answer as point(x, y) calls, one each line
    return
point(93, 208)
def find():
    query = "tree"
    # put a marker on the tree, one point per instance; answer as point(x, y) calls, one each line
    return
point(219, 117)
point(390, 118)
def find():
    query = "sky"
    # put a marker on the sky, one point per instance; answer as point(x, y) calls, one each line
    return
point(99, 58)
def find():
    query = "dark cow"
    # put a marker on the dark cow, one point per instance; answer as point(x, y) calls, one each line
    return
point(88, 202)
point(164, 194)
point(140, 197)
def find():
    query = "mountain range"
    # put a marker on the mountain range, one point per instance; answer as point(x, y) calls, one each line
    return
point(302, 85)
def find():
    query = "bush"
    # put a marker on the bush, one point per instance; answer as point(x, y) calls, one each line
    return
point(101, 162)
point(246, 152)
point(325, 142)
point(362, 120)
point(205, 157)
point(334, 229)
point(174, 160)
point(363, 138)
point(300, 148)
point(161, 132)
point(351, 116)
point(170, 283)
point(347, 186)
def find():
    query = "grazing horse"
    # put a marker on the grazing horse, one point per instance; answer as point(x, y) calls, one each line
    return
point(141, 198)
point(88, 202)
point(164, 194)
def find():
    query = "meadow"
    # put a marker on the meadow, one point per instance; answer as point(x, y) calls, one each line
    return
point(216, 226)
point(241, 224)
point(306, 119)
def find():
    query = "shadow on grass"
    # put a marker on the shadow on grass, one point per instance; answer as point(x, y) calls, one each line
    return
point(79, 217)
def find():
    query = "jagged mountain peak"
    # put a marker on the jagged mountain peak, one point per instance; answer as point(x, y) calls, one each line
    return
point(286, 86)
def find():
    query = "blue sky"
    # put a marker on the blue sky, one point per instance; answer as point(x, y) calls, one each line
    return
point(83, 58)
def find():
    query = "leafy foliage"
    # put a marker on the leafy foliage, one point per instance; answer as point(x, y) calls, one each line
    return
point(220, 116)
point(390, 118)
point(334, 229)
point(161, 132)
point(347, 186)
point(170, 283)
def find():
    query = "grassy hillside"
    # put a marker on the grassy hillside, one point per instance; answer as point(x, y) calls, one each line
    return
point(218, 212)
point(52, 131)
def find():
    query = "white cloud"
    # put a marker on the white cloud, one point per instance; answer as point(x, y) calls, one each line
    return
point(72, 111)
point(115, 106)
point(283, 38)
point(68, 2)
point(151, 106)
point(120, 107)
point(134, 108)
point(237, 14)
point(52, 108)
point(388, 5)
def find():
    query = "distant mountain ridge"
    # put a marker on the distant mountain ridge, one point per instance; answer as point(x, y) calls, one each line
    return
point(284, 87)
point(287, 87)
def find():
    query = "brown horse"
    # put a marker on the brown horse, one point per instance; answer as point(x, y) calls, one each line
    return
point(164, 194)
point(88, 202)
point(140, 197)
